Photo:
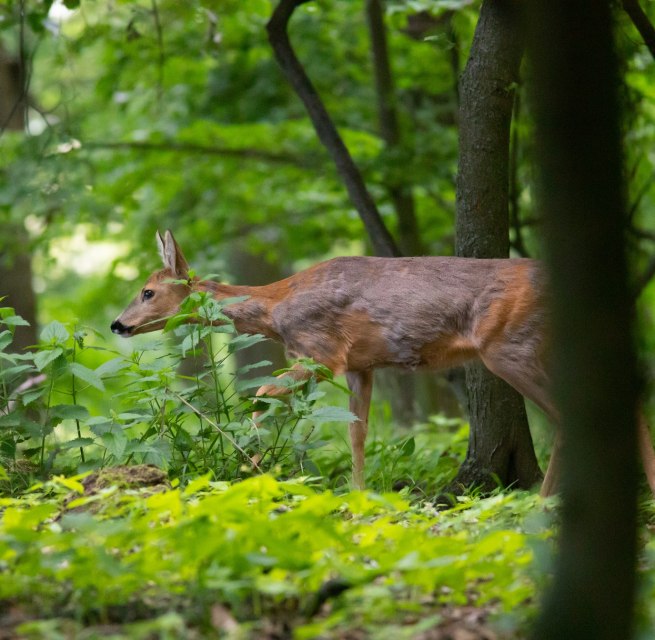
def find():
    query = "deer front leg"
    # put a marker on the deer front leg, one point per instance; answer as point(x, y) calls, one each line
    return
point(297, 373)
point(360, 384)
point(551, 479)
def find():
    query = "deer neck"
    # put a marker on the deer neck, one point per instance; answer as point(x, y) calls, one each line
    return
point(249, 316)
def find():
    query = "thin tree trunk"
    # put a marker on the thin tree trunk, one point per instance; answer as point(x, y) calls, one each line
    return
point(15, 258)
point(577, 113)
point(255, 270)
point(500, 444)
point(399, 191)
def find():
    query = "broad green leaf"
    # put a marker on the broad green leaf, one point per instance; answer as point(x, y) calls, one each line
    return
point(54, 333)
point(112, 367)
point(252, 383)
point(76, 443)
point(408, 447)
point(331, 414)
point(5, 339)
point(43, 358)
point(87, 375)
point(244, 340)
point(70, 411)
point(33, 394)
point(115, 441)
point(69, 483)
point(15, 321)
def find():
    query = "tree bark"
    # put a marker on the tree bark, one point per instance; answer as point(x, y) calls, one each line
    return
point(383, 243)
point(576, 106)
point(255, 270)
point(15, 258)
point(500, 444)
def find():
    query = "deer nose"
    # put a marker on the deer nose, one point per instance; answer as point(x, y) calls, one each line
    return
point(118, 327)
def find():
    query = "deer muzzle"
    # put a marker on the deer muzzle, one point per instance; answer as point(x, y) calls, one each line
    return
point(119, 328)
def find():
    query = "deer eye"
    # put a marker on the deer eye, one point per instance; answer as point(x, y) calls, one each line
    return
point(148, 293)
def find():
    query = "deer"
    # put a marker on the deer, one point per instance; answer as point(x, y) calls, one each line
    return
point(357, 314)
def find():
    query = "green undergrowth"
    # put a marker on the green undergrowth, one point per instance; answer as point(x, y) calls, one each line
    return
point(261, 558)
point(139, 501)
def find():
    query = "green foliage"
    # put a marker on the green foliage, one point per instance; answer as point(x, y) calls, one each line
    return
point(260, 551)
point(152, 114)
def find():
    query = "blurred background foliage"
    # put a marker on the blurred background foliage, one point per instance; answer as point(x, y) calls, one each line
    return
point(154, 114)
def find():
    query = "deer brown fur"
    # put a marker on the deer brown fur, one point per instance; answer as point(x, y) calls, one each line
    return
point(357, 314)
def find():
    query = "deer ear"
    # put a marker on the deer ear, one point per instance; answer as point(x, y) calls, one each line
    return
point(173, 257)
point(161, 247)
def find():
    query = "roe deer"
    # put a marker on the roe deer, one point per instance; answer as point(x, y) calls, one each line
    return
point(355, 314)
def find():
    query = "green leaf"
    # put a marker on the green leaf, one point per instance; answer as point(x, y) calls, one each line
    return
point(70, 412)
point(331, 414)
point(15, 321)
point(244, 340)
point(77, 443)
point(197, 484)
point(69, 483)
point(115, 441)
point(111, 367)
point(32, 395)
point(54, 333)
point(5, 339)
point(254, 365)
point(43, 358)
point(86, 374)
point(407, 448)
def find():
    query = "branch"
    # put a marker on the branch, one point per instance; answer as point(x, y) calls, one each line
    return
point(642, 23)
point(383, 243)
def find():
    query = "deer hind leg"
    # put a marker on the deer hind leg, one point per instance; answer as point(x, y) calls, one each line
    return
point(529, 378)
point(360, 384)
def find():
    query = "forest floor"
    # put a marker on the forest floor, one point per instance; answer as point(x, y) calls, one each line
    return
point(124, 554)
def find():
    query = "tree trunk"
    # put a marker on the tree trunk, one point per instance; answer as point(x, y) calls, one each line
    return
point(500, 444)
point(576, 106)
point(255, 270)
point(400, 192)
point(15, 258)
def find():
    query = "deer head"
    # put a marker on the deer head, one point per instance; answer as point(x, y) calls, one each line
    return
point(159, 298)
